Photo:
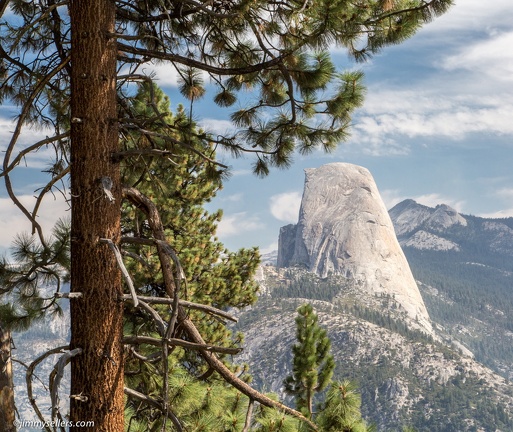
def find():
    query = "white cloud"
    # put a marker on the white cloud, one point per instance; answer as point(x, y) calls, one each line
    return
point(505, 193)
point(216, 126)
point(269, 248)
point(461, 87)
point(238, 223)
point(492, 58)
point(473, 15)
point(285, 206)
point(391, 197)
point(167, 75)
point(12, 221)
point(498, 214)
point(237, 197)
point(434, 199)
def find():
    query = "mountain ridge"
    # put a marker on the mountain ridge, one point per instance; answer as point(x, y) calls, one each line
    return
point(456, 379)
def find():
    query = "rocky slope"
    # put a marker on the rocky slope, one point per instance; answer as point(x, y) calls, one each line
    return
point(406, 378)
point(464, 268)
point(343, 256)
point(344, 229)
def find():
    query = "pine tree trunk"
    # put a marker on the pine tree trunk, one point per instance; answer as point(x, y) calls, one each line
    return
point(97, 317)
point(7, 409)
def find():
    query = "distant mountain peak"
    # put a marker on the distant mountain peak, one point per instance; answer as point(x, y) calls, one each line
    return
point(409, 216)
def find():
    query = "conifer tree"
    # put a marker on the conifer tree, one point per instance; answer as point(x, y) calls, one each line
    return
point(63, 64)
point(312, 370)
point(312, 364)
point(216, 277)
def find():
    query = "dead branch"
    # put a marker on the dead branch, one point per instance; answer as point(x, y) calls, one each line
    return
point(56, 377)
point(30, 149)
point(28, 380)
point(136, 257)
point(249, 416)
point(154, 403)
point(47, 188)
point(14, 139)
point(159, 322)
point(68, 295)
point(119, 259)
point(190, 305)
point(148, 340)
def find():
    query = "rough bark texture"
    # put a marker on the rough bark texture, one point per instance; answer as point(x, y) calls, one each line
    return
point(97, 317)
point(7, 409)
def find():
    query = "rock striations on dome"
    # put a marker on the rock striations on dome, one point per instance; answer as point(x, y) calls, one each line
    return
point(344, 229)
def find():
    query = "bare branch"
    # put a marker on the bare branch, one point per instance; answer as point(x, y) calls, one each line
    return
point(159, 322)
point(154, 403)
point(119, 260)
point(190, 305)
point(30, 149)
point(56, 377)
point(47, 188)
point(28, 380)
point(146, 205)
point(249, 416)
point(24, 113)
point(68, 295)
point(148, 340)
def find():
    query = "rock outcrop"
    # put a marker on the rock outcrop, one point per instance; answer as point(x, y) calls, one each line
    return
point(344, 228)
point(409, 216)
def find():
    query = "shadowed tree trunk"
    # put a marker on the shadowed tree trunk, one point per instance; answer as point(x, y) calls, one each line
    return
point(97, 317)
point(7, 409)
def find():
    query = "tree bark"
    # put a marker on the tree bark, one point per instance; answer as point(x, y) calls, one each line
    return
point(7, 409)
point(97, 317)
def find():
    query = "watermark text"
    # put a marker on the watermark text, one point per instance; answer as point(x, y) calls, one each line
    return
point(39, 424)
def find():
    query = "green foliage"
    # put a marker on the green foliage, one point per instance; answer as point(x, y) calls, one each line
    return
point(179, 187)
point(199, 405)
point(269, 60)
point(312, 369)
point(30, 280)
point(313, 365)
point(268, 420)
point(341, 410)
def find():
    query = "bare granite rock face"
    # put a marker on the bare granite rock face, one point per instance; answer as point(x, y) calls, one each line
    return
point(344, 228)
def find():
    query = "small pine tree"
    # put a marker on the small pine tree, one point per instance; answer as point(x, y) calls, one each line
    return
point(313, 364)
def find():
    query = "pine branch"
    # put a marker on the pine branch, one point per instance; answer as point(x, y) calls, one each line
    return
point(147, 206)
point(190, 305)
point(187, 61)
point(140, 340)
point(154, 403)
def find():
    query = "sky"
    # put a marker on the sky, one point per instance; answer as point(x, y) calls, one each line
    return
point(436, 126)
